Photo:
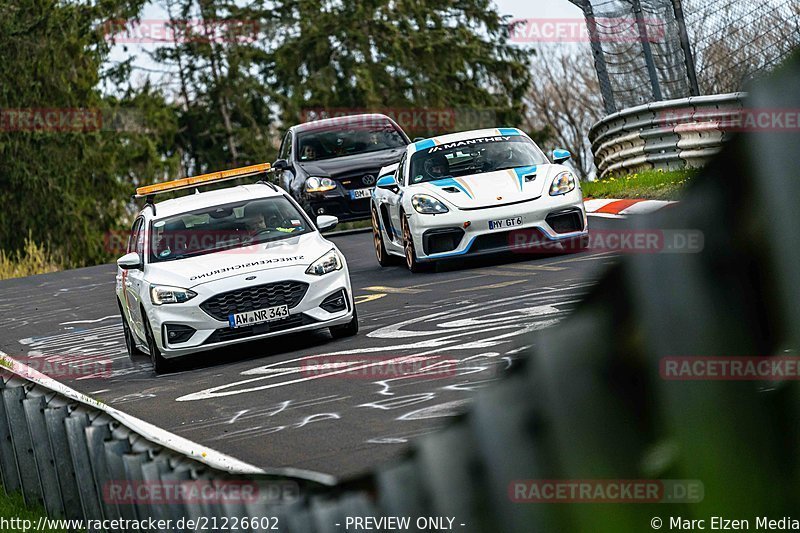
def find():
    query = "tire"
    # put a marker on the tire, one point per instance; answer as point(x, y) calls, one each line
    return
point(160, 364)
point(130, 341)
point(410, 253)
point(383, 257)
point(348, 330)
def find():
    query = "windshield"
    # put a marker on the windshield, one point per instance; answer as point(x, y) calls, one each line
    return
point(344, 140)
point(225, 227)
point(474, 156)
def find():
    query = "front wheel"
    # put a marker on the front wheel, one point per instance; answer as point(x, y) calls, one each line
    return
point(348, 330)
point(160, 364)
point(384, 259)
point(412, 262)
point(130, 341)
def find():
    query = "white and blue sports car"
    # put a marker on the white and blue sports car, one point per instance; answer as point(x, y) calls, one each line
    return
point(472, 193)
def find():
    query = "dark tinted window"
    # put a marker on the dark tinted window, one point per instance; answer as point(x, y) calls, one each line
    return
point(347, 139)
point(225, 227)
point(474, 156)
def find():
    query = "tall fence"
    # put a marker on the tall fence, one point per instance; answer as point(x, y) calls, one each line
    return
point(736, 41)
point(587, 402)
point(651, 50)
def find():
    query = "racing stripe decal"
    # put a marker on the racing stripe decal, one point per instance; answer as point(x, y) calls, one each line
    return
point(457, 183)
point(520, 172)
point(424, 145)
point(466, 186)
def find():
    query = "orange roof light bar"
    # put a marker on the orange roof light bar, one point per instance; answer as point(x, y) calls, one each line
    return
point(169, 186)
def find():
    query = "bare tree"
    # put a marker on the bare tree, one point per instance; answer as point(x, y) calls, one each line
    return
point(565, 99)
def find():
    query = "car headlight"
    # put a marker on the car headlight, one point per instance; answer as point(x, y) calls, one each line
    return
point(562, 184)
point(428, 205)
point(160, 294)
point(329, 262)
point(314, 184)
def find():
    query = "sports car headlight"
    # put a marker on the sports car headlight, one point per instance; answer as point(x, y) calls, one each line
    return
point(160, 295)
point(428, 205)
point(314, 184)
point(329, 262)
point(562, 184)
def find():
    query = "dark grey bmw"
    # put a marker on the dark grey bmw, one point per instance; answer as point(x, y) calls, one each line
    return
point(330, 166)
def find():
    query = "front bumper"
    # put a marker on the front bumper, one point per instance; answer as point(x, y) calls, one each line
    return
point(211, 333)
point(546, 220)
point(339, 204)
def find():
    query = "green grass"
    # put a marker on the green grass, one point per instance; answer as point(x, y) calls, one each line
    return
point(13, 506)
point(342, 226)
point(32, 259)
point(651, 184)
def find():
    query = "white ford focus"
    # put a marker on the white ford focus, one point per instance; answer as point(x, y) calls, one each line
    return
point(474, 193)
point(220, 267)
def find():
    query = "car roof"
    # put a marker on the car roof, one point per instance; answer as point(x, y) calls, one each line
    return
point(192, 202)
point(463, 136)
point(344, 120)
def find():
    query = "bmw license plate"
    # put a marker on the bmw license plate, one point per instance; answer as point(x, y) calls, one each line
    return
point(358, 194)
point(505, 223)
point(251, 318)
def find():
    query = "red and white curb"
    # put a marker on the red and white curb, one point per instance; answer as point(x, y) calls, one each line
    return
point(610, 208)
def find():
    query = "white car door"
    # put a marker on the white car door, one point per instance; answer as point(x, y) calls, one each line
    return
point(133, 279)
point(394, 202)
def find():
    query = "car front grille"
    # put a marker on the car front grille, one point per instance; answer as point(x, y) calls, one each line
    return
point(508, 240)
point(253, 298)
point(356, 180)
point(566, 221)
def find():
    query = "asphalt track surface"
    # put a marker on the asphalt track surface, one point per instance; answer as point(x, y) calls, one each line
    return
point(265, 403)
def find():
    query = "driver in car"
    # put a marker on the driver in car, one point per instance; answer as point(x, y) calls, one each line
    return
point(437, 167)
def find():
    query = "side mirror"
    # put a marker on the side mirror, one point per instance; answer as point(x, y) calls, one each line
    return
point(559, 156)
point(387, 182)
point(280, 164)
point(326, 222)
point(130, 261)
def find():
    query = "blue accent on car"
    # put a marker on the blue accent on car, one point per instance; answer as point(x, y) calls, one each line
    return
point(424, 145)
point(561, 155)
point(386, 181)
point(509, 131)
point(450, 182)
point(472, 241)
point(524, 171)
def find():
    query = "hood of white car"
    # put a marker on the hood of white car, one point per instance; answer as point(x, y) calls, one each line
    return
point(491, 188)
point(298, 251)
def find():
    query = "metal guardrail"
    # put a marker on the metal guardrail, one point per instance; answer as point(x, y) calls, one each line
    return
point(669, 135)
point(68, 452)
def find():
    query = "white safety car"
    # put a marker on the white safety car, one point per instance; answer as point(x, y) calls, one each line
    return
point(225, 266)
point(472, 193)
